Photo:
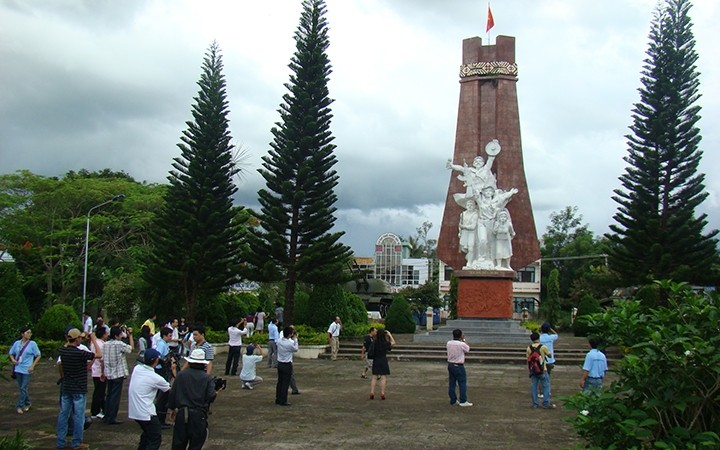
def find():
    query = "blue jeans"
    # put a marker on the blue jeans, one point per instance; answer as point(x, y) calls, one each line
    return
point(71, 404)
point(593, 385)
point(23, 379)
point(544, 379)
point(457, 375)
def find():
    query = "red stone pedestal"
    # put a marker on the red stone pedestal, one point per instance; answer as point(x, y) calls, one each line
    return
point(485, 294)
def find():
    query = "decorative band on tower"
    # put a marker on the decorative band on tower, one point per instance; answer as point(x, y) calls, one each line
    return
point(488, 68)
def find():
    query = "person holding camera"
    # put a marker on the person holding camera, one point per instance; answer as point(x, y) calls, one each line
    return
point(145, 384)
point(253, 355)
point(456, 351)
point(189, 402)
point(286, 346)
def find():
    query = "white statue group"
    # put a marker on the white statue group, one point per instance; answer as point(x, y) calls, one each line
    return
point(486, 229)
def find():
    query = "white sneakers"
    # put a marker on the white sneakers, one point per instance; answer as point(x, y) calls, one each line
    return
point(247, 385)
point(465, 404)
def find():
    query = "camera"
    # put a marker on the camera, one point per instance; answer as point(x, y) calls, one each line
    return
point(220, 384)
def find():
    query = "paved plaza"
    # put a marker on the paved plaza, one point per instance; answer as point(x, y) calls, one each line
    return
point(334, 411)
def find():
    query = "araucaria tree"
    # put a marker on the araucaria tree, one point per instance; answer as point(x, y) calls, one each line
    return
point(195, 241)
point(658, 233)
point(294, 242)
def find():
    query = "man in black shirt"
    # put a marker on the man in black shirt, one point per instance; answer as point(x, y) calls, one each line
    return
point(189, 401)
point(73, 365)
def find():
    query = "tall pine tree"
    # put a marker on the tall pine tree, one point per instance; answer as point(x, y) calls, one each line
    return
point(196, 242)
point(658, 234)
point(294, 242)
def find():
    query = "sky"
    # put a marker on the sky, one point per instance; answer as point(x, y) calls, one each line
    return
point(100, 84)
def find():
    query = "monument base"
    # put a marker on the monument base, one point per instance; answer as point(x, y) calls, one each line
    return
point(485, 294)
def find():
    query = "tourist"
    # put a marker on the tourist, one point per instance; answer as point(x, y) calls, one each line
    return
point(382, 344)
point(250, 323)
point(456, 350)
point(547, 338)
point(594, 368)
point(24, 354)
point(199, 342)
point(116, 370)
point(252, 356)
point(150, 322)
point(87, 323)
point(367, 366)
point(145, 384)
point(236, 331)
point(287, 345)
point(273, 336)
point(163, 368)
point(145, 339)
point(543, 378)
point(279, 311)
point(334, 337)
point(260, 320)
point(97, 405)
point(189, 402)
point(73, 391)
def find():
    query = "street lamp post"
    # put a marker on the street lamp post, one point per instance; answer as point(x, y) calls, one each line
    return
point(87, 239)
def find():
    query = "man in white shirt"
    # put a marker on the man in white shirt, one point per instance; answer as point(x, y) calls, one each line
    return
point(252, 356)
point(87, 323)
point(235, 334)
point(287, 345)
point(144, 385)
point(334, 337)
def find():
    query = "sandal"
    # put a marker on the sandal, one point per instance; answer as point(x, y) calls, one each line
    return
point(372, 396)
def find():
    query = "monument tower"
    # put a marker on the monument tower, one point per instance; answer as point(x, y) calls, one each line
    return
point(488, 119)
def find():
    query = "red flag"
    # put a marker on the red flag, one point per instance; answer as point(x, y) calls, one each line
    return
point(490, 20)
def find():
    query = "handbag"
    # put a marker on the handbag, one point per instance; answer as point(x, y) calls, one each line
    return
point(12, 375)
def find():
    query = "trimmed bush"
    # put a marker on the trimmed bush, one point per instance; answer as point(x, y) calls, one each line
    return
point(399, 317)
point(53, 322)
point(588, 305)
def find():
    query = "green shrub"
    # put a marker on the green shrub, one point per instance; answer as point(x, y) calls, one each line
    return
point(217, 336)
point(399, 317)
point(588, 305)
point(16, 442)
point(210, 312)
point(311, 336)
point(325, 302)
point(666, 391)
point(53, 322)
point(238, 304)
point(49, 347)
point(356, 310)
point(648, 295)
point(303, 311)
point(15, 312)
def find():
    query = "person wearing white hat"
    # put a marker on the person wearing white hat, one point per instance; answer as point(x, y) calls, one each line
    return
point(189, 401)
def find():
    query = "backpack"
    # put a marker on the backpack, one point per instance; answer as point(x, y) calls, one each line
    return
point(535, 361)
point(371, 350)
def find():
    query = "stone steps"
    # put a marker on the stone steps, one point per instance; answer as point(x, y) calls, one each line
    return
point(487, 353)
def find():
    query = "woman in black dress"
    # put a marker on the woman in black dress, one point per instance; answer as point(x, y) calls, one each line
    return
point(382, 344)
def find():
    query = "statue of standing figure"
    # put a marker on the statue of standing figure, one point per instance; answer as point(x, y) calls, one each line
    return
point(485, 229)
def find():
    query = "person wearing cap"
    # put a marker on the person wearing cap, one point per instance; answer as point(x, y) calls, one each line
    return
point(189, 402)
point(116, 370)
point(547, 337)
point(252, 356)
point(144, 386)
point(73, 369)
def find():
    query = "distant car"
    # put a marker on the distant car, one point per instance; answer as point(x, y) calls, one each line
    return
point(374, 315)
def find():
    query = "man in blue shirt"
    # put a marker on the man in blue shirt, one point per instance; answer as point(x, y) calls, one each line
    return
point(594, 368)
point(163, 348)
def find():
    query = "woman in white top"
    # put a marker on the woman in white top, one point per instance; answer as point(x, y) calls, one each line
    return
point(259, 320)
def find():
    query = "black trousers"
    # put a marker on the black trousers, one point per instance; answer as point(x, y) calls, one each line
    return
point(151, 436)
point(190, 429)
point(233, 358)
point(112, 402)
point(98, 397)
point(285, 370)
